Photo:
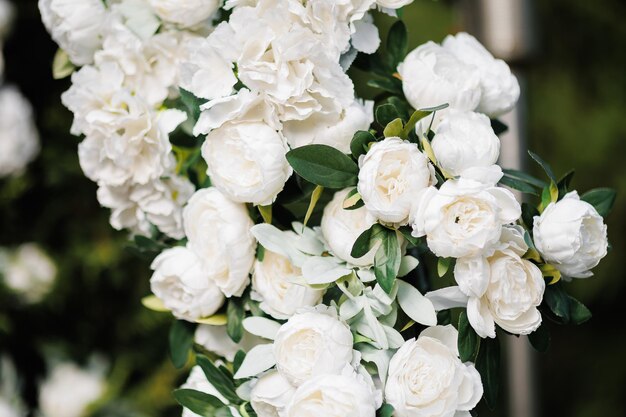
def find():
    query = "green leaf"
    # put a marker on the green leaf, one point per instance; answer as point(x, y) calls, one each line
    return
point(528, 215)
point(488, 365)
point(323, 165)
point(238, 360)
point(443, 264)
point(602, 199)
point(222, 382)
point(540, 338)
point(579, 313)
point(192, 103)
point(393, 128)
point(522, 176)
point(386, 113)
point(498, 127)
point(405, 231)
point(415, 117)
point(360, 143)
point(235, 315)
point(367, 240)
point(181, 341)
point(544, 165)
point(518, 185)
point(397, 43)
point(390, 85)
point(546, 198)
point(469, 341)
point(387, 260)
point(444, 317)
point(198, 402)
point(558, 301)
point(266, 213)
point(385, 411)
point(353, 200)
point(564, 183)
point(435, 108)
point(315, 196)
point(61, 65)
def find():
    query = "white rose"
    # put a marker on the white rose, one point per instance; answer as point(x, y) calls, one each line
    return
point(571, 235)
point(427, 378)
point(76, 25)
point(138, 207)
point(69, 390)
point(184, 13)
point(219, 233)
point(391, 174)
point(198, 381)
point(29, 272)
point(273, 286)
point(336, 130)
point(312, 343)
point(465, 144)
point(216, 339)
point(393, 4)
point(246, 161)
point(19, 140)
point(271, 395)
point(503, 289)
point(343, 395)
point(341, 228)
point(464, 217)
point(500, 88)
point(431, 76)
point(183, 286)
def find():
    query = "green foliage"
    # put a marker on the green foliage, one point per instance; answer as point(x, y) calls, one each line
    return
point(602, 199)
point(203, 404)
point(220, 378)
point(397, 43)
point(235, 314)
point(469, 341)
point(386, 113)
point(181, 341)
point(488, 365)
point(540, 338)
point(360, 143)
point(387, 257)
point(323, 165)
point(385, 411)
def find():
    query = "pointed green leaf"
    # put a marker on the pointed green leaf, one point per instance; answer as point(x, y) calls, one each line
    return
point(181, 341)
point(235, 315)
point(393, 128)
point(602, 199)
point(488, 365)
point(323, 165)
point(203, 404)
point(397, 43)
point(469, 341)
point(387, 260)
point(222, 382)
point(540, 338)
point(544, 165)
point(360, 143)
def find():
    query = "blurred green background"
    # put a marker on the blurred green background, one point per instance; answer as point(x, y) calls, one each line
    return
point(576, 98)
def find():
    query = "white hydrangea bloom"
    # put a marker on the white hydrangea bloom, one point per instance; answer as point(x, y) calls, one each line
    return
point(19, 139)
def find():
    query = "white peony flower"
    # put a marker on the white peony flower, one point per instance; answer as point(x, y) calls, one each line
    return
point(348, 394)
point(465, 144)
point(204, 72)
point(19, 140)
point(181, 283)
point(219, 233)
point(76, 26)
point(427, 378)
point(128, 142)
point(500, 88)
point(69, 390)
point(28, 271)
point(185, 13)
point(336, 130)
point(246, 161)
point(503, 289)
point(216, 339)
point(273, 285)
point(464, 217)
point(341, 228)
point(312, 343)
point(138, 207)
point(431, 76)
point(391, 174)
point(571, 235)
point(271, 395)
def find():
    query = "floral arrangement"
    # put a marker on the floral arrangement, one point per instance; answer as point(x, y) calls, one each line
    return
point(303, 238)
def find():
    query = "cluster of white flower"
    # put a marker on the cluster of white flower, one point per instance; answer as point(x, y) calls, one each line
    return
point(266, 93)
point(129, 51)
point(19, 140)
point(27, 271)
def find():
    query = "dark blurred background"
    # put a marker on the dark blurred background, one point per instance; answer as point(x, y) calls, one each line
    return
point(576, 118)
